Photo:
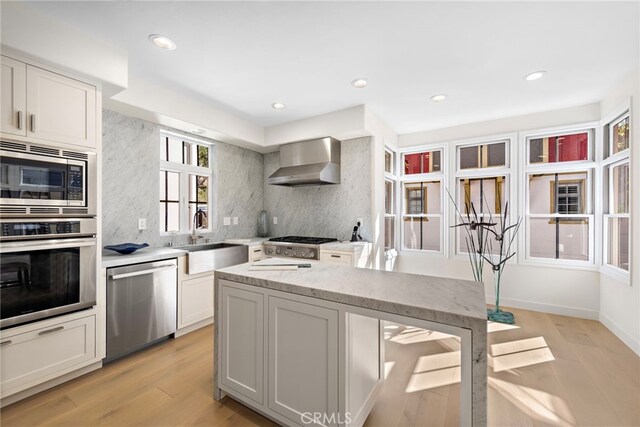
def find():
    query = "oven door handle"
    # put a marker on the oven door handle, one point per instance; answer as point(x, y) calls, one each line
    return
point(143, 272)
point(35, 245)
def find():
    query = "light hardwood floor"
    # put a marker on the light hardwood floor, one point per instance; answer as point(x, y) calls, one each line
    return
point(547, 370)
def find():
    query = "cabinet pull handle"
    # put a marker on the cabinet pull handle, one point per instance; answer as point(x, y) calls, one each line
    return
point(257, 250)
point(3, 343)
point(19, 120)
point(33, 123)
point(49, 331)
point(335, 256)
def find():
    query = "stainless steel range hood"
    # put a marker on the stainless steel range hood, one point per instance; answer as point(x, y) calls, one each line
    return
point(313, 162)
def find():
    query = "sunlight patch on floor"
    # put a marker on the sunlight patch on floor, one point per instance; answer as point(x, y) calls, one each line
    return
point(497, 327)
point(435, 370)
point(414, 335)
point(518, 354)
point(388, 366)
point(537, 404)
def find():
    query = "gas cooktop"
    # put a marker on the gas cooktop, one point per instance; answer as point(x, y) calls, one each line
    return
point(303, 240)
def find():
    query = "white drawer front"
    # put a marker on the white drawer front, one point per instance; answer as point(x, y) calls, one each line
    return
point(256, 254)
point(337, 259)
point(30, 357)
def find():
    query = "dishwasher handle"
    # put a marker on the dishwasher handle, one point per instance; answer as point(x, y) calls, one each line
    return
point(143, 272)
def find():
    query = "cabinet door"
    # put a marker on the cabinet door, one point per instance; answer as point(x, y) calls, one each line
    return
point(303, 359)
point(33, 357)
point(195, 300)
point(13, 96)
point(60, 109)
point(242, 333)
point(337, 259)
point(255, 254)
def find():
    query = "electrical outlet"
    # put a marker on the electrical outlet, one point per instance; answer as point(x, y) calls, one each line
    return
point(226, 220)
point(235, 220)
point(360, 221)
point(275, 220)
point(142, 223)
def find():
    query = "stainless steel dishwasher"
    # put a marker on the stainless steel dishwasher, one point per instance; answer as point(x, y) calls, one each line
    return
point(141, 305)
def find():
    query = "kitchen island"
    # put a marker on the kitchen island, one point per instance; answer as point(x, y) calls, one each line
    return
point(295, 343)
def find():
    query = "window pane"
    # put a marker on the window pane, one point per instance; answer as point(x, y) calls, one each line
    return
point(173, 186)
point(618, 249)
point(175, 150)
point(469, 157)
point(388, 198)
point(163, 185)
point(620, 184)
point(559, 238)
point(485, 194)
point(173, 217)
point(163, 148)
point(496, 154)
point(425, 162)
point(422, 233)
point(562, 148)
point(570, 197)
point(389, 166)
point(389, 232)
point(203, 156)
point(421, 198)
point(202, 219)
point(620, 136)
point(198, 188)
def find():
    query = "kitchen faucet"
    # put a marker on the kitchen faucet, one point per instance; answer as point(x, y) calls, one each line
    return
point(194, 236)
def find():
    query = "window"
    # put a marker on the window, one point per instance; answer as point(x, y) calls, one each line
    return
point(423, 162)
point(185, 176)
point(390, 183)
point(422, 217)
point(482, 156)
point(616, 174)
point(559, 206)
point(559, 148)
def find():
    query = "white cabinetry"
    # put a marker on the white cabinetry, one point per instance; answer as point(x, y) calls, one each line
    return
point(318, 357)
point(242, 361)
point(30, 358)
point(337, 258)
point(303, 359)
point(195, 299)
point(256, 253)
point(47, 106)
point(13, 96)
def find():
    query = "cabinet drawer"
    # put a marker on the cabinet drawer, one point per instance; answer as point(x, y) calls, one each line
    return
point(337, 259)
point(36, 356)
point(256, 254)
point(195, 300)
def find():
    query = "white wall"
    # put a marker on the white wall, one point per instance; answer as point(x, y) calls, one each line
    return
point(620, 301)
point(546, 288)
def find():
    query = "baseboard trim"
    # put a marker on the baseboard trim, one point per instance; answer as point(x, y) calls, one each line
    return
point(193, 327)
point(562, 310)
point(625, 337)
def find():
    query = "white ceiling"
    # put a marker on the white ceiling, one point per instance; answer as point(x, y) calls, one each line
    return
point(243, 56)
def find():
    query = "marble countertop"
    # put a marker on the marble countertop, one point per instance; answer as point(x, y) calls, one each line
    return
point(344, 246)
point(251, 241)
point(114, 259)
point(450, 301)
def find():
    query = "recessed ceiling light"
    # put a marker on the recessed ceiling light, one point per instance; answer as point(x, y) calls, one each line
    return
point(359, 83)
point(535, 75)
point(197, 131)
point(439, 97)
point(162, 42)
point(278, 106)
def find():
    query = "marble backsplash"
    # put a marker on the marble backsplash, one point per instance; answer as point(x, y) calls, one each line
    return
point(130, 185)
point(328, 210)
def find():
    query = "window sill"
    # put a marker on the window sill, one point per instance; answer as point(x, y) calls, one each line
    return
point(560, 264)
point(616, 274)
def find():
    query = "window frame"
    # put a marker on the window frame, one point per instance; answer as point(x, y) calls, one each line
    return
point(185, 171)
point(576, 166)
point(423, 217)
point(392, 178)
point(420, 150)
point(483, 143)
point(608, 162)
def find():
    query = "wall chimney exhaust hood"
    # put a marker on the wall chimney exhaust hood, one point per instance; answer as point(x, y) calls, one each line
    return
point(313, 162)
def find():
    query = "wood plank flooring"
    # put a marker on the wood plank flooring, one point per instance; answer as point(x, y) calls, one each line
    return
point(547, 370)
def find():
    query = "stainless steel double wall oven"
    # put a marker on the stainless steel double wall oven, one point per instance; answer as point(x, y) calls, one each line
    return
point(48, 231)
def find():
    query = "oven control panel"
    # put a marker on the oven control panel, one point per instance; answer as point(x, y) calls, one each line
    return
point(16, 229)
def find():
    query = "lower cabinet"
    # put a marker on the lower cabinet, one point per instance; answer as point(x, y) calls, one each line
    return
point(337, 258)
point(242, 358)
point(195, 300)
point(256, 253)
point(39, 355)
point(296, 359)
point(303, 359)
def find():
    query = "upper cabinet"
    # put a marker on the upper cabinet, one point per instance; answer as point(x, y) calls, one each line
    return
point(13, 97)
point(47, 106)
